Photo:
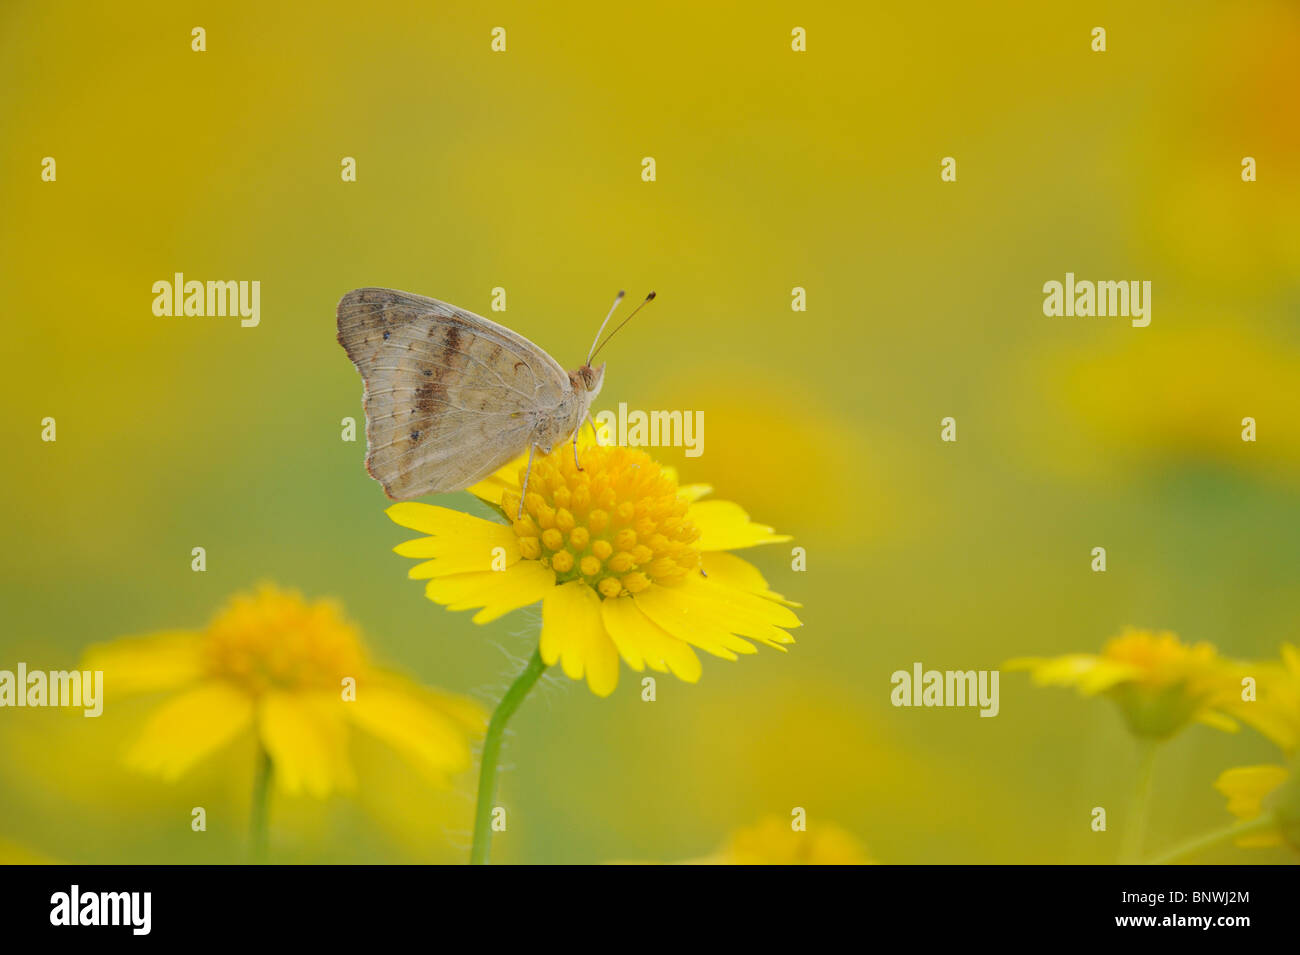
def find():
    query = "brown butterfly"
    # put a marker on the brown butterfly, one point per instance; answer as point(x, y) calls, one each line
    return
point(451, 397)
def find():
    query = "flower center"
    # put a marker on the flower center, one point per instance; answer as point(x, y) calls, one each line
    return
point(617, 524)
point(274, 639)
point(1162, 658)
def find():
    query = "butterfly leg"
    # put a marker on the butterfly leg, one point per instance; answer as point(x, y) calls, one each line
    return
point(594, 433)
point(523, 492)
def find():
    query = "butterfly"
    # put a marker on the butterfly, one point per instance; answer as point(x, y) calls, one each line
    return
point(451, 397)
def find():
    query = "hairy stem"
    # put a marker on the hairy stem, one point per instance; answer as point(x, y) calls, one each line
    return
point(487, 777)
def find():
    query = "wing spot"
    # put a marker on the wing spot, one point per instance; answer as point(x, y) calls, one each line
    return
point(429, 398)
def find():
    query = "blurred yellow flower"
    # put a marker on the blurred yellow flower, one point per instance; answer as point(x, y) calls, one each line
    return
point(773, 842)
point(1160, 683)
point(1255, 790)
point(1185, 396)
point(625, 562)
point(754, 428)
point(1195, 210)
point(1276, 711)
point(272, 663)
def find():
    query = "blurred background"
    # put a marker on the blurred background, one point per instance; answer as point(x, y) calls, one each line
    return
point(775, 169)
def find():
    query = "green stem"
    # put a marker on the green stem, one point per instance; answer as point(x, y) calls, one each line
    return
point(261, 806)
point(487, 776)
point(1217, 837)
point(1136, 826)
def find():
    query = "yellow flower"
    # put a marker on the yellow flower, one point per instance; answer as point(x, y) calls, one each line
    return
point(274, 664)
point(1254, 790)
point(1160, 683)
point(625, 562)
point(1276, 713)
point(773, 842)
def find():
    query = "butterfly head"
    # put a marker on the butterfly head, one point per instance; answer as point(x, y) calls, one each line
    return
point(589, 379)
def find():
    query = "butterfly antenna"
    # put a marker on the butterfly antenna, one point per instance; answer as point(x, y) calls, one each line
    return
point(648, 299)
point(617, 298)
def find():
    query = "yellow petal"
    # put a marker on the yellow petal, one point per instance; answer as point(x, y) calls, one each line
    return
point(739, 573)
point(431, 519)
point(684, 619)
point(1276, 714)
point(461, 543)
point(497, 591)
point(1218, 721)
point(306, 737)
point(1105, 674)
point(1278, 726)
point(693, 492)
point(161, 661)
point(725, 526)
point(1088, 672)
point(493, 487)
point(751, 615)
point(413, 723)
point(1291, 658)
point(709, 601)
point(574, 634)
point(1247, 786)
point(189, 727)
point(641, 642)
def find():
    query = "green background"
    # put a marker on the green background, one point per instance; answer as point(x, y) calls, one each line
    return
point(775, 169)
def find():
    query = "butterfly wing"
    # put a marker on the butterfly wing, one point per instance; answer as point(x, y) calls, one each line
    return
point(450, 397)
